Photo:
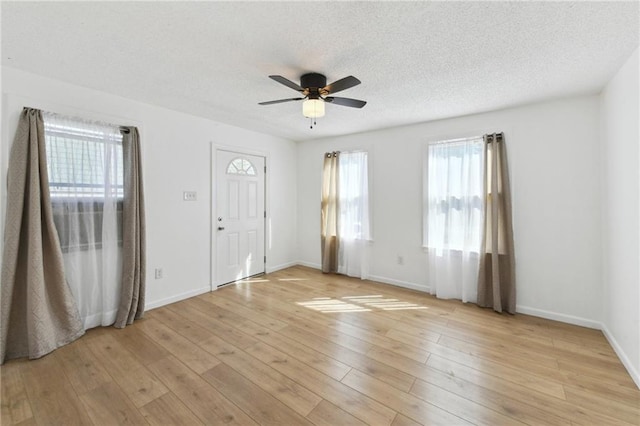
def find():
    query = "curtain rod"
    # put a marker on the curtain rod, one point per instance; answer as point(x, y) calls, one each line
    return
point(123, 128)
point(495, 136)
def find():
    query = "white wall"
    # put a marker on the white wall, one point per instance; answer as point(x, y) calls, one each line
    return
point(621, 214)
point(553, 152)
point(176, 152)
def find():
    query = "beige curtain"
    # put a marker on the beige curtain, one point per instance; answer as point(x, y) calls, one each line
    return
point(38, 313)
point(496, 282)
point(329, 213)
point(133, 233)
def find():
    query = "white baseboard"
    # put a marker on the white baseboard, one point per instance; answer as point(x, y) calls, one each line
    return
point(623, 357)
point(271, 269)
point(309, 264)
point(569, 319)
point(178, 297)
point(399, 283)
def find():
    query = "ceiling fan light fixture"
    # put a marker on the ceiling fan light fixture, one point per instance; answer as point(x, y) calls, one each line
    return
point(313, 108)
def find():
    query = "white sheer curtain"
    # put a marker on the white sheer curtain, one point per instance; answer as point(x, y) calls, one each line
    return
point(353, 222)
point(454, 217)
point(85, 168)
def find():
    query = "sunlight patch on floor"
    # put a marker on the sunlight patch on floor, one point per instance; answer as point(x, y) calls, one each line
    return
point(364, 303)
point(327, 304)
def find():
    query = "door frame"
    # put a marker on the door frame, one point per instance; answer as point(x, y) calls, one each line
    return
point(213, 236)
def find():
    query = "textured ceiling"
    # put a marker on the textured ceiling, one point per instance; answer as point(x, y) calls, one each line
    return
point(418, 61)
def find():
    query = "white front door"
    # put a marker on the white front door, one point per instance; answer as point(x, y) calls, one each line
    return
point(240, 218)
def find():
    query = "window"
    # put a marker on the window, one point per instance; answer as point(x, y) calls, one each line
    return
point(353, 184)
point(454, 193)
point(241, 166)
point(86, 175)
point(77, 164)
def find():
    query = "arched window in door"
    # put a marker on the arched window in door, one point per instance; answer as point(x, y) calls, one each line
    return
point(241, 166)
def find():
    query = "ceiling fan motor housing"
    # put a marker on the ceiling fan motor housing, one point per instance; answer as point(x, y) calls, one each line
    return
point(313, 82)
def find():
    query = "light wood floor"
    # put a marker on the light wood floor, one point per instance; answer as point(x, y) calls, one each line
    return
point(297, 347)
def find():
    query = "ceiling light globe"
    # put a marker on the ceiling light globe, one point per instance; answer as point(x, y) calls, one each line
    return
point(313, 108)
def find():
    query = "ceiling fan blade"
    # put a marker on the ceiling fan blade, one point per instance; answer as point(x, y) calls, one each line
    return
point(353, 103)
point(279, 101)
point(342, 84)
point(280, 79)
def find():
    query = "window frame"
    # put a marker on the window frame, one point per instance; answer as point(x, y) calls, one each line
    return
point(425, 181)
point(369, 194)
point(248, 171)
point(61, 204)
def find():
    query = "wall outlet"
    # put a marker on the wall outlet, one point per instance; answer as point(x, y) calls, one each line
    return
point(400, 260)
point(189, 195)
point(158, 273)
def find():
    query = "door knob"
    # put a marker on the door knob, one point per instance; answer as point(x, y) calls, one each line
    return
point(220, 228)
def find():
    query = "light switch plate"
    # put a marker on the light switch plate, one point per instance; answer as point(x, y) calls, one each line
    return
point(189, 195)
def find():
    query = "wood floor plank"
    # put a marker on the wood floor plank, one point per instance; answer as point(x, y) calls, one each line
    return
point(486, 390)
point(321, 327)
point(15, 403)
point(141, 346)
point(379, 370)
point(83, 369)
point(273, 301)
point(401, 420)
point(400, 348)
point(620, 393)
point(492, 372)
point(204, 314)
point(351, 401)
point(246, 313)
point(283, 388)
point(169, 317)
point(300, 347)
point(189, 353)
point(604, 351)
point(288, 391)
point(609, 407)
point(496, 402)
point(327, 365)
point(412, 367)
point(31, 421)
point(522, 347)
point(207, 403)
point(53, 399)
point(107, 405)
point(417, 341)
point(257, 403)
point(465, 408)
point(544, 404)
point(421, 411)
point(168, 410)
point(614, 376)
point(328, 414)
point(496, 353)
point(133, 377)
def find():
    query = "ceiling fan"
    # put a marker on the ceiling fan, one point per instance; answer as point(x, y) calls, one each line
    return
point(316, 92)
